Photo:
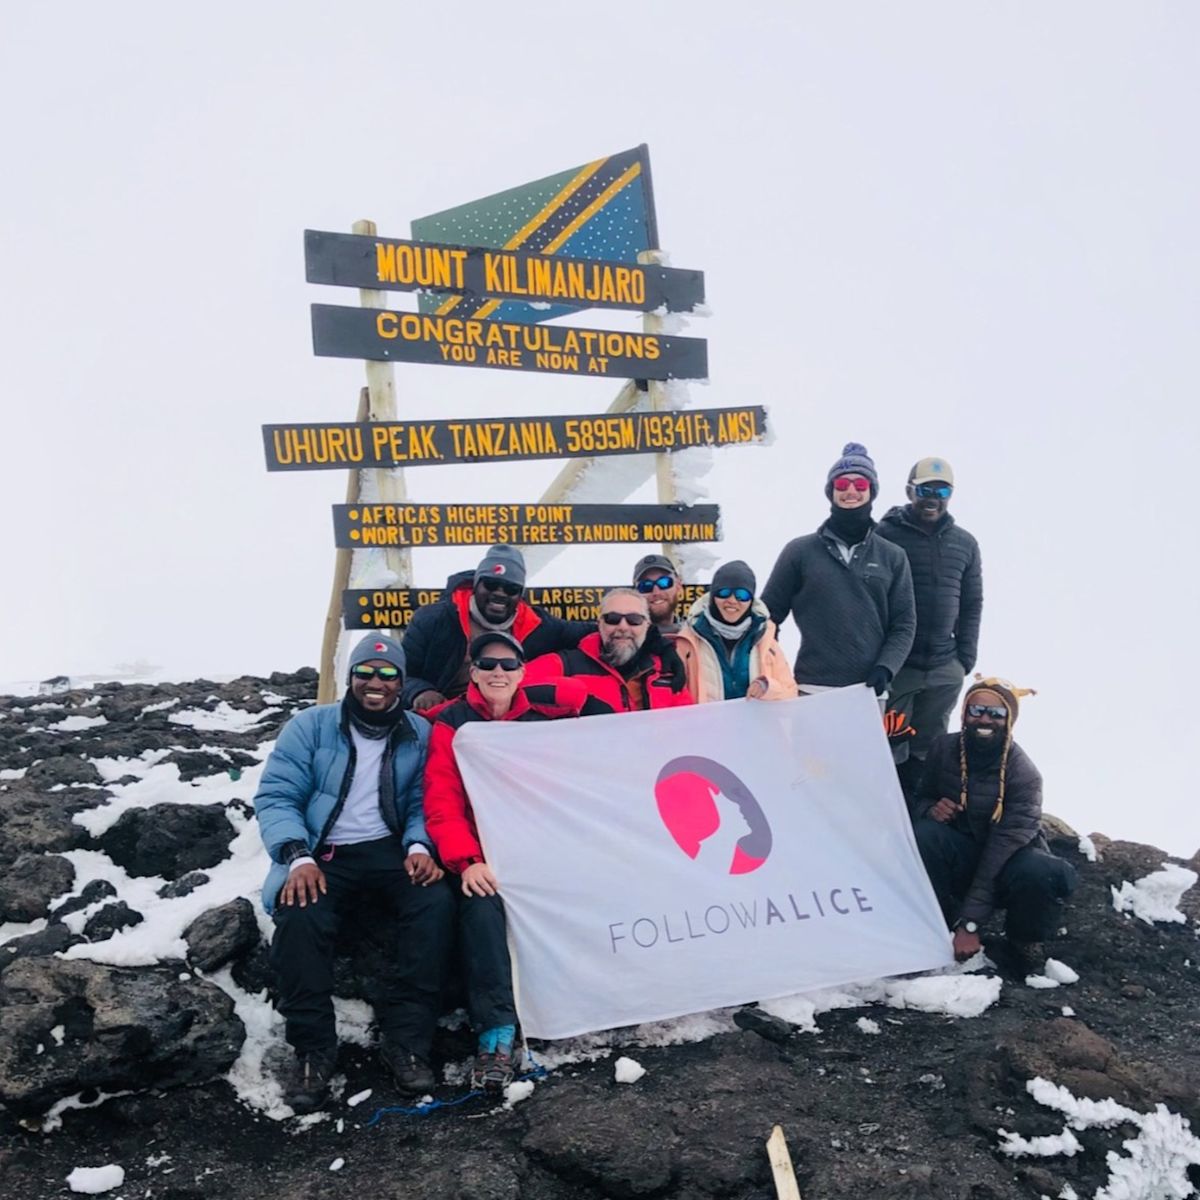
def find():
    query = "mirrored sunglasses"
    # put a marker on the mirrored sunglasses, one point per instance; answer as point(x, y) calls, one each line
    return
point(501, 585)
point(662, 582)
point(997, 711)
point(926, 490)
point(843, 483)
point(488, 663)
point(742, 594)
point(615, 618)
point(363, 671)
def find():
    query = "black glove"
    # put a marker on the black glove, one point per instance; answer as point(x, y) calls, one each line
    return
point(674, 673)
point(878, 679)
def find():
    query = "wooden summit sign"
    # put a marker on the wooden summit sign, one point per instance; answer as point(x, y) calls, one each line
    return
point(397, 265)
point(383, 334)
point(382, 444)
point(393, 608)
point(358, 526)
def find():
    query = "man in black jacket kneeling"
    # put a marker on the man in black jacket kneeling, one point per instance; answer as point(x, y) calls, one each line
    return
point(977, 816)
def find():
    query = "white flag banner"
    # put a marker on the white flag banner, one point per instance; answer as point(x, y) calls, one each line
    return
point(661, 863)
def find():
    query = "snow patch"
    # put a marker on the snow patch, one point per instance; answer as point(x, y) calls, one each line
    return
point(1060, 972)
point(74, 724)
point(337, 1164)
point(91, 1181)
point(13, 773)
point(953, 995)
point(358, 1097)
point(1088, 848)
point(224, 716)
point(866, 1025)
point(628, 1070)
point(1155, 897)
point(1048, 1146)
point(515, 1092)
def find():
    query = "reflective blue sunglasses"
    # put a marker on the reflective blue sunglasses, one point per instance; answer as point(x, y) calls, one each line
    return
point(940, 490)
point(742, 594)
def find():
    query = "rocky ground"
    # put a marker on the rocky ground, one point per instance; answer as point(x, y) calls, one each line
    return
point(913, 1109)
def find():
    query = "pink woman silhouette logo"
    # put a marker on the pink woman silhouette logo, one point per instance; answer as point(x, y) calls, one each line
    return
point(698, 798)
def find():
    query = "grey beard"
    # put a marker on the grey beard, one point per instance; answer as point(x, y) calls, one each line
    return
point(618, 653)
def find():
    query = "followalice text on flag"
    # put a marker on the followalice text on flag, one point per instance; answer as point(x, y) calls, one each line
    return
point(327, 446)
point(386, 335)
point(359, 525)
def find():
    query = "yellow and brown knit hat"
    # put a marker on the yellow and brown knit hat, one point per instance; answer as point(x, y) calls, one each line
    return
point(1008, 692)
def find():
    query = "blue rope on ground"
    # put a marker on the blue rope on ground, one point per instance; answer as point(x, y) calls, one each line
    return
point(423, 1110)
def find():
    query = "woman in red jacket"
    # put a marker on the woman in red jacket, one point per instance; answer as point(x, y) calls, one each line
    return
point(493, 694)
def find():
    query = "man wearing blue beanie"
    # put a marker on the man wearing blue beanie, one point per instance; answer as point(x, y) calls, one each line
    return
point(340, 811)
point(849, 591)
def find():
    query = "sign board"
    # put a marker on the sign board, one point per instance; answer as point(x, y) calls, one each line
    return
point(367, 525)
point(393, 608)
point(603, 209)
point(390, 336)
point(383, 444)
point(391, 264)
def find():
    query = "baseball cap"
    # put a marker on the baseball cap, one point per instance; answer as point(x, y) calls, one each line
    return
point(654, 562)
point(931, 470)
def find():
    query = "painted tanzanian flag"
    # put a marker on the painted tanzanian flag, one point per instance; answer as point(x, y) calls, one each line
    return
point(604, 209)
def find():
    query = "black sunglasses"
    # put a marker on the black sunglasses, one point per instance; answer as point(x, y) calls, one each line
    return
point(940, 490)
point(501, 585)
point(362, 671)
point(615, 618)
point(996, 711)
point(662, 582)
point(742, 594)
point(488, 663)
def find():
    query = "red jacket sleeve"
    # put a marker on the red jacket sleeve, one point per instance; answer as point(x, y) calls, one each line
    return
point(448, 818)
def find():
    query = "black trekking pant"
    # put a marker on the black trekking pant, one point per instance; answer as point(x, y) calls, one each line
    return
point(305, 941)
point(1031, 886)
point(487, 972)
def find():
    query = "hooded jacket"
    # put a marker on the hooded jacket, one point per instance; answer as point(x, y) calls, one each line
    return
point(1020, 822)
point(606, 683)
point(435, 642)
point(851, 616)
point(449, 817)
point(696, 646)
point(947, 579)
point(308, 776)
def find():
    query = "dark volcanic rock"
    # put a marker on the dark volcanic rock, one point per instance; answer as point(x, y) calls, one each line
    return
point(183, 886)
point(39, 822)
point(121, 1028)
point(93, 892)
point(221, 935)
point(63, 768)
point(28, 886)
point(168, 839)
point(108, 920)
point(195, 764)
point(51, 940)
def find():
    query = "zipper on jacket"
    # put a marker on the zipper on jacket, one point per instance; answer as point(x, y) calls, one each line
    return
point(343, 792)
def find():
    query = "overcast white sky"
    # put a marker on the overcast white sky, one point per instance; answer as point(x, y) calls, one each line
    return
point(949, 228)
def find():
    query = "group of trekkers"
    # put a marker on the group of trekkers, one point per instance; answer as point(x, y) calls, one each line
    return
point(366, 795)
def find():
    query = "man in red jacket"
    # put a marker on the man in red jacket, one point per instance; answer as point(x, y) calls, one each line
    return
point(628, 665)
point(493, 694)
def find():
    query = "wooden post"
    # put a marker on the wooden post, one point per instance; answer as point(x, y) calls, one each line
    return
point(786, 1187)
point(657, 394)
point(381, 385)
point(377, 402)
point(328, 685)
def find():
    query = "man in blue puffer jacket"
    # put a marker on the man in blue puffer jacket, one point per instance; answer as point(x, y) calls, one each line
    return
point(340, 809)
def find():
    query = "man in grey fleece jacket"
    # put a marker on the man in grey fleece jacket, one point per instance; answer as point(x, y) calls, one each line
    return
point(849, 590)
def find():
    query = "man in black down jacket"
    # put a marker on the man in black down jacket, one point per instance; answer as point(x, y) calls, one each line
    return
point(849, 591)
point(486, 600)
point(948, 588)
point(977, 816)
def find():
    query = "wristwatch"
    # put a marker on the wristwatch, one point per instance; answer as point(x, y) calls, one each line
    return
point(969, 926)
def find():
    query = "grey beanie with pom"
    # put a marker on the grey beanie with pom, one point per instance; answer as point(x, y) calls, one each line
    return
point(854, 461)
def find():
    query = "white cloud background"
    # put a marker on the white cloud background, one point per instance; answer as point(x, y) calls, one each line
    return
point(946, 228)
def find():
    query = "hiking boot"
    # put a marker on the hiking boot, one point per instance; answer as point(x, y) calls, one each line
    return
point(1017, 959)
point(493, 1072)
point(307, 1085)
point(413, 1075)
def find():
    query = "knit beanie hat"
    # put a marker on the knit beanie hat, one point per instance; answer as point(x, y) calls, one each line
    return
point(1008, 692)
point(735, 574)
point(378, 645)
point(854, 461)
point(502, 562)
